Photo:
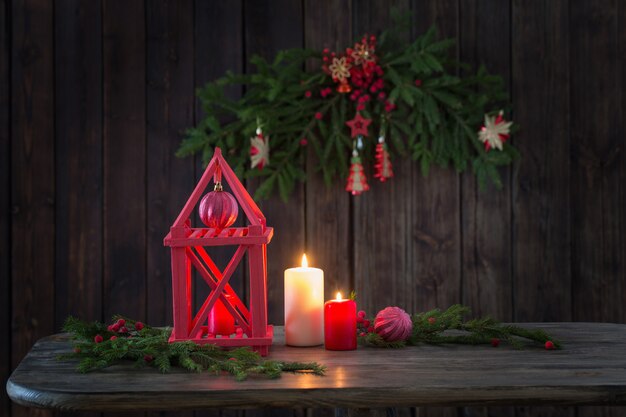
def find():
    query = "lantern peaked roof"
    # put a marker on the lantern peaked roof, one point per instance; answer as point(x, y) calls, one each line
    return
point(218, 168)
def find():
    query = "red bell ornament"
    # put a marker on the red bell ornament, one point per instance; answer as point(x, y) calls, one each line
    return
point(218, 209)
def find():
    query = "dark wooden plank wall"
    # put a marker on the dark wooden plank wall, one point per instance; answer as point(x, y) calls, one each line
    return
point(94, 97)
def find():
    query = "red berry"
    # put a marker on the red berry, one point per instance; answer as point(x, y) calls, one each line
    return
point(418, 82)
point(115, 327)
point(370, 329)
point(319, 116)
point(110, 328)
point(550, 345)
point(232, 359)
point(361, 314)
point(326, 50)
point(366, 323)
point(325, 59)
point(123, 329)
point(76, 350)
point(362, 334)
point(360, 107)
point(381, 96)
point(138, 326)
point(303, 142)
point(307, 94)
point(98, 339)
point(148, 358)
point(432, 320)
point(495, 342)
point(121, 322)
point(113, 338)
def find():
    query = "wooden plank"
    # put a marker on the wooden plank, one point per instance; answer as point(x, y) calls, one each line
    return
point(435, 201)
point(32, 178)
point(273, 25)
point(380, 216)
point(436, 250)
point(485, 39)
point(218, 39)
point(328, 23)
point(78, 129)
point(5, 202)
point(124, 158)
point(541, 190)
point(598, 166)
point(382, 235)
point(591, 369)
point(169, 111)
point(486, 214)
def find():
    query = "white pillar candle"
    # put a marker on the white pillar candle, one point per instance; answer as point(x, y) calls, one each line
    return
point(304, 305)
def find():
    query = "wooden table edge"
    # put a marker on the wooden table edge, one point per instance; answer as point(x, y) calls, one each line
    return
point(302, 398)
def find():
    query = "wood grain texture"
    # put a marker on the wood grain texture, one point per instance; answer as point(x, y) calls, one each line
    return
point(435, 225)
point(598, 166)
point(435, 201)
point(591, 369)
point(218, 38)
point(32, 173)
point(124, 158)
point(5, 203)
point(382, 241)
point(328, 24)
point(78, 132)
point(271, 26)
point(541, 193)
point(485, 27)
point(169, 111)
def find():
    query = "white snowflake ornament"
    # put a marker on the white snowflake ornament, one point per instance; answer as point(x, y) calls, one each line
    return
point(495, 131)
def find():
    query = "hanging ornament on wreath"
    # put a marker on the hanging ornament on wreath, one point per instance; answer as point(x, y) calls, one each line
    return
point(495, 131)
point(218, 209)
point(259, 150)
point(383, 169)
point(357, 181)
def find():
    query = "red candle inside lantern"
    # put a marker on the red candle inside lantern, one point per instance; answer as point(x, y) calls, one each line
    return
point(220, 320)
point(340, 324)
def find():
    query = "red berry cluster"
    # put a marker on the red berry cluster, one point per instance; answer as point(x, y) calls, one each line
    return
point(363, 325)
point(365, 80)
point(119, 327)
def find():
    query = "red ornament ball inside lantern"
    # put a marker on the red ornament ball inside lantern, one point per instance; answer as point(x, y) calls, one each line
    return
point(218, 209)
point(393, 324)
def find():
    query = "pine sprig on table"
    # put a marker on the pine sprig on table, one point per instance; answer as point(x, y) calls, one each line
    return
point(434, 118)
point(448, 326)
point(149, 346)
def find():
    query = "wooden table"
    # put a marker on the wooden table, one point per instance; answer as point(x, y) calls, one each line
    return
point(590, 370)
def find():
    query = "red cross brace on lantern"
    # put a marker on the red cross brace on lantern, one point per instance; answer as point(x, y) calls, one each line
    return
point(188, 249)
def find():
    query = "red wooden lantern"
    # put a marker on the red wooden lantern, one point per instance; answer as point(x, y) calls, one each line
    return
point(188, 249)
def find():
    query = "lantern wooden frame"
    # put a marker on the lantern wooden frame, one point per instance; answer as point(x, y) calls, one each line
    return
point(188, 249)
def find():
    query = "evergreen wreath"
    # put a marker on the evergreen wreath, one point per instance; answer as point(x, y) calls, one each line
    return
point(410, 95)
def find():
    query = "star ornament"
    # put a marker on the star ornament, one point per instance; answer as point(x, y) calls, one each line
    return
point(259, 151)
point(358, 125)
point(340, 69)
point(495, 131)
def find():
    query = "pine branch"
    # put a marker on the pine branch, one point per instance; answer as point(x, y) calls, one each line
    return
point(149, 346)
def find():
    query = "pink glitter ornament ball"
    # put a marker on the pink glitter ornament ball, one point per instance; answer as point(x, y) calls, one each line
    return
point(218, 209)
point(393, 324)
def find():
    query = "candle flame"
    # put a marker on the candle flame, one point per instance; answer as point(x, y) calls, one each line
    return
point(305, 263)
point(339, 296)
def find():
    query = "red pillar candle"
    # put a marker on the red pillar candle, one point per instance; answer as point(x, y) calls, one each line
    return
point(340, 324)
point(220, 320)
